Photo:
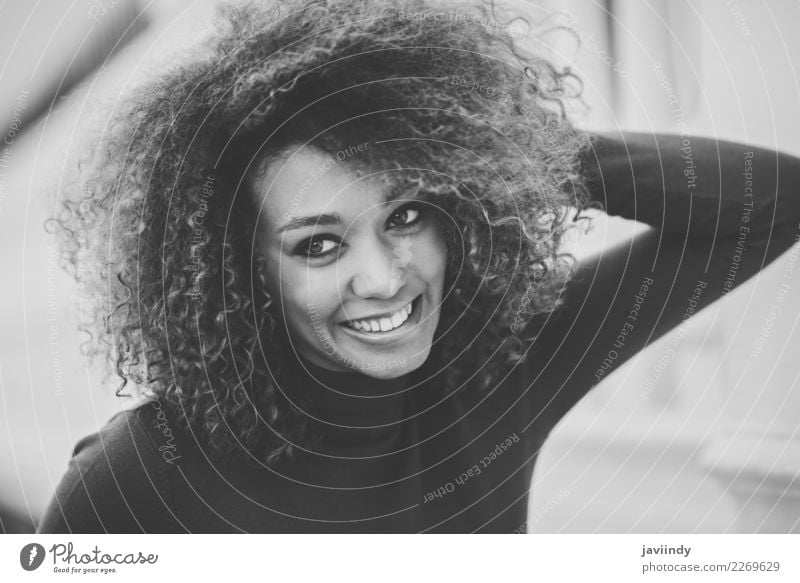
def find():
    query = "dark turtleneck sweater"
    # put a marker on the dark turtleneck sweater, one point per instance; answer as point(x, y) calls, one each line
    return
point(394, 457)
point(405, 455)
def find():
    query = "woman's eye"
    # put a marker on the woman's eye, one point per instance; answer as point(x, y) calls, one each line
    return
point(317, 247)
point(405, 217)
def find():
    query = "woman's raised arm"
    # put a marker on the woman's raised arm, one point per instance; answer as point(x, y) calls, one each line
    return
point(721, 212)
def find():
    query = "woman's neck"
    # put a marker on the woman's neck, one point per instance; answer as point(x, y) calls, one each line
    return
point(348, 399)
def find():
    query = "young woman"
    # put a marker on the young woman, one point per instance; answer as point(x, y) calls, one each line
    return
point(329, 253)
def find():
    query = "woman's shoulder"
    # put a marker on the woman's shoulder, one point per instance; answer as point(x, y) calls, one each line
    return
point(118, 478)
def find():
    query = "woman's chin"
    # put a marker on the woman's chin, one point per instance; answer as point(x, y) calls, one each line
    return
point(379, 366)
point(386, 368)
point(384, 374)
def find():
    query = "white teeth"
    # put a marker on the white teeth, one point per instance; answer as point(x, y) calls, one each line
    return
point(383, 324)
point(397, 319)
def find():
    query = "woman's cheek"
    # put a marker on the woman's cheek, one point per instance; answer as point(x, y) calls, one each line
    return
point(317, 294)
point(433, 256)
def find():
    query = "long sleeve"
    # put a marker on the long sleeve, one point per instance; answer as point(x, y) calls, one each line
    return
point(722, 211)
point(116, 482)
point(696, 187)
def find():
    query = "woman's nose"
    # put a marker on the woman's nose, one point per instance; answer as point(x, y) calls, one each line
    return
point(379, 270)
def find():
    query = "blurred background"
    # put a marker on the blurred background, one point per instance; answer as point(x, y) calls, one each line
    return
point(696, 434)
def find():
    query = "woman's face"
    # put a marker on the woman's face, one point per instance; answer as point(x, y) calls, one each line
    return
point(359, 277)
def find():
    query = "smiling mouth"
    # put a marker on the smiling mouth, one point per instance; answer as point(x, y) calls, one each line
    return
point(385, 324)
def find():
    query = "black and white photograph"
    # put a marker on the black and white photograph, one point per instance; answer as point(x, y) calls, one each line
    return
point(400, 266)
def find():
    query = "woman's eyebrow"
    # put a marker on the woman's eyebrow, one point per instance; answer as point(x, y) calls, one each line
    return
point(401, 192)
point(311, 221)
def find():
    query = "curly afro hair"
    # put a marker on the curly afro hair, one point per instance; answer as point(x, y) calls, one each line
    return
point(160, 228)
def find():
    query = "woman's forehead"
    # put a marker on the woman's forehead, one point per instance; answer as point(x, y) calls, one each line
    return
point(306, 181)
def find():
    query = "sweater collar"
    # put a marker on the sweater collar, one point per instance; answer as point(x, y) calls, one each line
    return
point(352, 409)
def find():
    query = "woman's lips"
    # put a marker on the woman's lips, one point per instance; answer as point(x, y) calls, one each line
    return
point(384, 323)
point(387, 325)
